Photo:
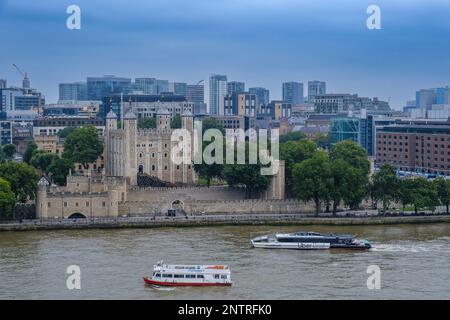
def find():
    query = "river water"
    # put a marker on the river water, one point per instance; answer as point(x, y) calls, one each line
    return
point(414, 262)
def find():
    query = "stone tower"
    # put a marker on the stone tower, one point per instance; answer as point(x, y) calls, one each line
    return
point(163, 118)
point(130, 128)
point(111, 124)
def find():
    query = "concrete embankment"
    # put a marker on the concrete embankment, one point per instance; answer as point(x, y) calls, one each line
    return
point(216, 220)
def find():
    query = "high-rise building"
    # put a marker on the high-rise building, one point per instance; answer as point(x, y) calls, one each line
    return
point(99, 87)
point(76, 91)
point(12, 99)
point(235, 87)
point(162, 86)
point(180, 88)
point(146, 85)
point(195, 93)
point(293, 92)
point(262, 95)
point(217, 91)
point(425, 98)
point(316, 88)
point(2, 83)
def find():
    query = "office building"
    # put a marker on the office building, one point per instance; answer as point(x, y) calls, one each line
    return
point(52, 125)
point(344, 103)
point(12, 99)
point(99, 87)
point(235, 87)
point(76, 91)
point(217, 91)
point(5, 132)
point(3, 83)
point(293, 92)
point(275, 110)
point(419, 146)
point(262, 95)
point(162, 86)
point(316, 88)
point(146, 85)
point(195, 93)
point(179, 88)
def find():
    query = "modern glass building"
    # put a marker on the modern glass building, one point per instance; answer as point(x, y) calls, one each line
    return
point(180, 88)
point(217, 91)
point(293, 92)
point(235, 87)
point(344, 128)
point(99, 87)
point(316, 88)
point(195, 93)
point(262, 95)
point(76, 91)
point(146, 85)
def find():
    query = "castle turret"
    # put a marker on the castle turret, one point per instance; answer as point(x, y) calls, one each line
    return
point(111, 124)
point(130, 128)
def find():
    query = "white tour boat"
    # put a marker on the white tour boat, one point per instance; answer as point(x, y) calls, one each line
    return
point(189, 275)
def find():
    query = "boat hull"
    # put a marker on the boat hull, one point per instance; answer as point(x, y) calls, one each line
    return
point(185, 284)
point(292, 245)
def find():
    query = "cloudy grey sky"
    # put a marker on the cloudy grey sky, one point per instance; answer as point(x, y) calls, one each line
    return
point(261, 42)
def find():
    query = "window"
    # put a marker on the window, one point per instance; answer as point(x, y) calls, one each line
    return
point(223, 276)
point(216, 276)
point(65, 204)
point(49, 204)
point(200, 276)
point(158, 275)
point(179, 276)
point(190, 276)
point(167, 276)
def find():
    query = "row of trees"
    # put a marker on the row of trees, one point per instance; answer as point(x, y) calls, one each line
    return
point(385, 187)
point(150, 122)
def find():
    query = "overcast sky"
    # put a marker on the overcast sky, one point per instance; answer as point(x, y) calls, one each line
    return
point(261, 42)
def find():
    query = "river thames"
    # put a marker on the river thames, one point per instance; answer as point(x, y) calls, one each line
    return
point(414, 262)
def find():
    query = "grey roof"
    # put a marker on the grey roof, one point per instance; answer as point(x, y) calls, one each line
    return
point(187, 113)
point(111, 115)
point(129, 115)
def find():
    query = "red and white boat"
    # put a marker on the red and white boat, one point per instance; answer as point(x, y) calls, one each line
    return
point(189, 275)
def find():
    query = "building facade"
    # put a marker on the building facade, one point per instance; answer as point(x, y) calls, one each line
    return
point(76, 91)
point(293, 92)
point(217, 91)
point(262, 95)
point(316, 88)
point(415, 147)
point(100, 87)
point(195, 93)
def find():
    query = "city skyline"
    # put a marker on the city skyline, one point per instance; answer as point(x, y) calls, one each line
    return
point(187, 42)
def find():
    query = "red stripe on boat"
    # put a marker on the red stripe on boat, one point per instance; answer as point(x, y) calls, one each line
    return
point(184, 284)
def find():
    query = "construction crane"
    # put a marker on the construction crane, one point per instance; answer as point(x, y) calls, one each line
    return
point(25, 80)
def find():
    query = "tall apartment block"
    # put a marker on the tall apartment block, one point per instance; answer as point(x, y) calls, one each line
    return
point(293, 92)
point(217, 92)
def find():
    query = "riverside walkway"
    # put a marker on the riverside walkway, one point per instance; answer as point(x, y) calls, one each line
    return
point(344, 218)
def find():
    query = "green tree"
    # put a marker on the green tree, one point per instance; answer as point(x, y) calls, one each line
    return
point(418, 192)
point(64, 133)
point(9, 150)
point(23, 179)
point(31, 147)
point(248, 176)
point(175, 123)
point(322, 141)
point(442, 187)
point(292, 136)
point(214, 170)
point(59, 169)
point(7, 199)
point(2, 156)
point(312, 179)
point(293, 152)
point(42, 160)
point(385, 185)
point(147, 123)
point(83, 146)
point(348, 185)
point(352, 153)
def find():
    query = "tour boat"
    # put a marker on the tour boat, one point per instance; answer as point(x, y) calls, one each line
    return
point(309, 241)
point(189, 275)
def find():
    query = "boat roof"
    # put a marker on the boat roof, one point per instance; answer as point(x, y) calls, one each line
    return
point(314, 234)
point(192, 268)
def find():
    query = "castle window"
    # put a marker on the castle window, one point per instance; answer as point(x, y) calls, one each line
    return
point(165, 167)
point(65, 204)
point(178, 167)
point(153, 167)
point(49, 204)
point(104, 204)
point(76, 204)
point(87, 204)
point(140, 155)
point(165, 155)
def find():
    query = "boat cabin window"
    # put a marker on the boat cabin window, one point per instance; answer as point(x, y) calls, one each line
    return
point(178, 276)
point(190, 276)
point(158, 275)
point(200, 276)
point(216, 276)
point(224, 276)
point(167, 276)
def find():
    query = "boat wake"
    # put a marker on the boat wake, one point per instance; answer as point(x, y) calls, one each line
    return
point(159, 288)
point(411, 248)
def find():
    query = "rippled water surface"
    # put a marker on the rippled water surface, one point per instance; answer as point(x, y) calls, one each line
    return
point(414, 261)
